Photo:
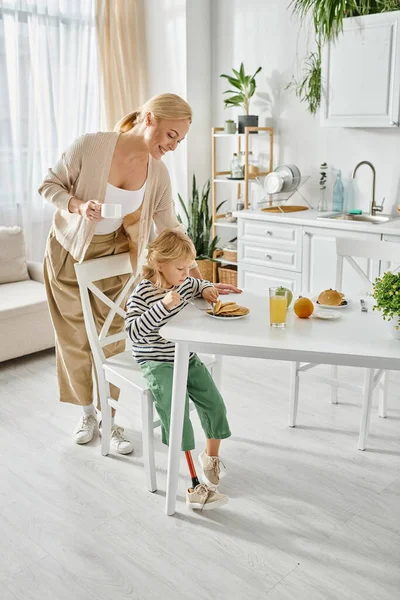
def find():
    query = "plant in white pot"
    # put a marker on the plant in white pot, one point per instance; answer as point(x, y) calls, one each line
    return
point(386, 292)
point(245, 86)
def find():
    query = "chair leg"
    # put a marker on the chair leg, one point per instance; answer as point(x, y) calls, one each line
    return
point(216, 370)
point(148, 441)
point(294, 393)
point(383, 392)
point(334, 389)
point(104, 393)
point(366, 407)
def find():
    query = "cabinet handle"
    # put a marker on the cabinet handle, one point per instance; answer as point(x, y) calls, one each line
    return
point(394, 123)
point(305, 233)
point(269, 256)
point(269, 232)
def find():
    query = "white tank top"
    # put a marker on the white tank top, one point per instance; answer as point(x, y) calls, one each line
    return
point(130, 201)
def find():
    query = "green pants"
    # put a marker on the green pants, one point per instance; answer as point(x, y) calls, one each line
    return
point(202, 391)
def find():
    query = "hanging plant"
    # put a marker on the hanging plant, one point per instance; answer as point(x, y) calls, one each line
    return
point(327, 17)
point(308, 88)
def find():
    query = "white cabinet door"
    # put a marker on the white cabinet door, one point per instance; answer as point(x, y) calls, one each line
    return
point(258, 280)
point(319, 261)
point(385, 266)
point(361, 74)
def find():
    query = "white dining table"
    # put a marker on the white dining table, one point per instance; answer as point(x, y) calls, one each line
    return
point(356, 339)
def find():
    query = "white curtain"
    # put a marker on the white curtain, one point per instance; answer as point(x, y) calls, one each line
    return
point(49, 95)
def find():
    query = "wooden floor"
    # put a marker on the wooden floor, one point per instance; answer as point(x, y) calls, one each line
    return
point(310, 517)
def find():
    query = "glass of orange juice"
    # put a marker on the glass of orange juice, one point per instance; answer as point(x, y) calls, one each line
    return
point(278, 301)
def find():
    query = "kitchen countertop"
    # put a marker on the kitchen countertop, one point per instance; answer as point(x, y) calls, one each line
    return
point(309, 218)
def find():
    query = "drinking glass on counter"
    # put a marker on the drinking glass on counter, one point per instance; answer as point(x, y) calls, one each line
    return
point(278, 302)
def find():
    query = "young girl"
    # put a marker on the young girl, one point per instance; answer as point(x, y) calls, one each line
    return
point(164, 291)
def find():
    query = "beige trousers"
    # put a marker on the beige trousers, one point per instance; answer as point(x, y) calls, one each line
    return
point(75, 366)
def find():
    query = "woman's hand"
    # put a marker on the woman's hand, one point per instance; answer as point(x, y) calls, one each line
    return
point(227, 288)
point(91, 211)
point(210, 294)
point(171, 300)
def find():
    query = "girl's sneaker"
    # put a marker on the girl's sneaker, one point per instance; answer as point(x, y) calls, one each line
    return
point(211, 471)
point(204, 498)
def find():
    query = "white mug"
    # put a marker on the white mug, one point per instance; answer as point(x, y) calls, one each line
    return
point(111, 211)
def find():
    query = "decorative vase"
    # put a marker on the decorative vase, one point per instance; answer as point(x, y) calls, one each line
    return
point(395, 322)
point(230, 127)
point(247, 121)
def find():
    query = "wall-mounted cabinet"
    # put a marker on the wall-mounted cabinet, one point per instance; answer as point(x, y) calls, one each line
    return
point(361, 74)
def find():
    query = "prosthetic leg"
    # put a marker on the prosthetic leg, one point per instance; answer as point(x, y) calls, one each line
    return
point(192, 470)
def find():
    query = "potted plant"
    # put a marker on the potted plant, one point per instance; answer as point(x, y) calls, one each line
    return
point(327, 17)
point(386, 292)
point(229, 126)
point(245, 86)
point(199, 223)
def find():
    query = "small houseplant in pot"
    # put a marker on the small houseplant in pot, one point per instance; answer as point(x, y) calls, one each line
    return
point(229, 126)
point(199, 224)
point(386, 292)
point(245, 86)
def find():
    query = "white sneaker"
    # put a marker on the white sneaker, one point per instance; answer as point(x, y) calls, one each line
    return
point(85, 429)
point(118, 442)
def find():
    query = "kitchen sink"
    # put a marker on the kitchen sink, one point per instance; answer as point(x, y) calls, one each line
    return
point(363, 218)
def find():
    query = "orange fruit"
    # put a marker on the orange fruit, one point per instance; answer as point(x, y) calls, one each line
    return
point(303, 307)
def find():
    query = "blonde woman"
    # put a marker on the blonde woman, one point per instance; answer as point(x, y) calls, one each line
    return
point(121, 167)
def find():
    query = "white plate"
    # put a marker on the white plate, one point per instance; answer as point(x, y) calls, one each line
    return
point(328, 315)
point(318, 305)
point(226, 318)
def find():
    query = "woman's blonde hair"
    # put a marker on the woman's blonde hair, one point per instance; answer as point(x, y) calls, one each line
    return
point(163, 106)
point(167, 247)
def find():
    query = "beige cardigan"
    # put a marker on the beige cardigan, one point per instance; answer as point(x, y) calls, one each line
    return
point(82, 171)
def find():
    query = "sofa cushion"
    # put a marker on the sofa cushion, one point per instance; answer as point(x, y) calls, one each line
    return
point(12, 256)
point(21, 297)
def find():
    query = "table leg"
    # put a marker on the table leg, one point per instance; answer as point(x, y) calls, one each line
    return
point(366, 408)
point(179, 387)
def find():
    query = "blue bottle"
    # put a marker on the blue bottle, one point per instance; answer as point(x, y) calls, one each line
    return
point(338, 194)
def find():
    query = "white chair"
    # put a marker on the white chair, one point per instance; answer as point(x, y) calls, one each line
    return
point(121, 370)
point(348, 249)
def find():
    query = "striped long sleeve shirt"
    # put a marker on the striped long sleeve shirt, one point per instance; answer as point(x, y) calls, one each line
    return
point(146, 314)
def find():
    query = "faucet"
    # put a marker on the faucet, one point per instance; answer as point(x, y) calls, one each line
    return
point(374, 208)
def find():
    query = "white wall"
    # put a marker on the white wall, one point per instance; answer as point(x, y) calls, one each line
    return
point(263, 33)
point(179, 61)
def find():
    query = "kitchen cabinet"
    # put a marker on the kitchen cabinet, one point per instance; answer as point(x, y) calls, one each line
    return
point(258, 280)
point(269, 255)
point(361, 73)
point(299, 256)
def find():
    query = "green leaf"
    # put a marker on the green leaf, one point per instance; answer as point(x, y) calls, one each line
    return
point(235, 83)
point(183, 205)
point(237, 74)
point(258, 70)
point(220, 204)
point(241, 71)
point(235, 99)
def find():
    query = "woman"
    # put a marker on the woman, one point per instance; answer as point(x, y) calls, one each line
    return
point(122, 167)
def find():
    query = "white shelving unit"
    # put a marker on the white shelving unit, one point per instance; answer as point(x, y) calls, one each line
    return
point(221, 177)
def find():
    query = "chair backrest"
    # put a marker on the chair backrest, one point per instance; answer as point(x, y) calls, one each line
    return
point(348, 249)
point(87, 273)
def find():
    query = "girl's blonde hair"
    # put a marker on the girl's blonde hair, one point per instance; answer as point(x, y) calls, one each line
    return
point(167, 247)
point(163, 106)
